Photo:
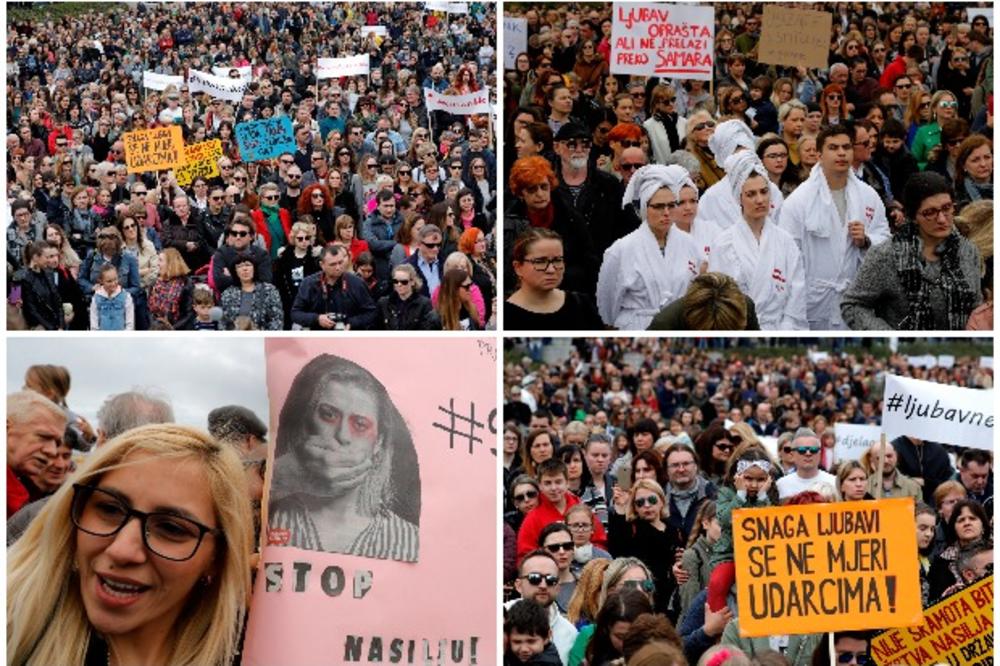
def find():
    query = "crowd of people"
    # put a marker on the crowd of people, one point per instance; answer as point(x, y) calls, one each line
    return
point(623, 460)
point(858, 195)
point(382, 217)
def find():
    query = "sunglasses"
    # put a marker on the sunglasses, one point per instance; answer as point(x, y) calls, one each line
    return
point(403, 282)
point(805, 450)
point(724, 447)
point(241, 179)
point(904, 86)
point(925, 105)
point(859, 658)
point(946, 104)
point(430, 245)
point(287, 161)
point(293, 176)
point(537, 579)
point(833, 96)
point(466, 285)
point(646, 586)
point(630, 167)
point(128, 227)
point(239, 234)
point(652, 500)
point(303, 238)
point(787, 449)
point(316, 195)
point(556, 547)
point(215, 198)
point(526, 495)
point(630, 144)
point(404, 172)
point(708, 124)
point(270, 197)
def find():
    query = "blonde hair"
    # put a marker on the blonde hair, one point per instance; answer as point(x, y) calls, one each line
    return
point(23, 406)
point(584, 604)
point(458, 260)
point(46, 619)
point(174, 264)
point(746, 433)
point(714, 302)
point(646, 484)
point(616, 571)
point(975, 221)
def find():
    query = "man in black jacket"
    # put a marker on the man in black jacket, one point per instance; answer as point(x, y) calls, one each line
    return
point(925, 462)
point(239, 238)
point(334, 298)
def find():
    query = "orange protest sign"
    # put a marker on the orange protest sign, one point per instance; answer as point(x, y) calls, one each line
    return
point(202, 160)
point(956, 631)
point(813, 568)
point(154, 149)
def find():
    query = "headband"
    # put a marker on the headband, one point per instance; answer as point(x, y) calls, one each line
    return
point(744, 465)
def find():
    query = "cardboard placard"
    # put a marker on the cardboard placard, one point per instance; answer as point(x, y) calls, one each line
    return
point(957, 631)
point(795, 37)
point(264, 139)
point(155, 81)
point(459, 105)
point(202, 160)
point(219, 87)
point(515, 40)
point(851, 440)
point(334, 68)
point(154, 149)
point(671, 41)
point(812, 568)
point(938, 412)
point(317, 604)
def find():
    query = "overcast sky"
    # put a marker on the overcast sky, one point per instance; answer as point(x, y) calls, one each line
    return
point(196, 374)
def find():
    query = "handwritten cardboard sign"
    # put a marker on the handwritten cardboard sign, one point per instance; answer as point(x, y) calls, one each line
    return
point(654, 39)
point(938, 412)
point(219, 87)
point(334, 68)
point(264, 139)
point(813, 568)
point(312, 607)
point(202, 160)
point(515, 40)
point(154, 149)
point(459, 105)
point(957, 631)
point(795, 37)
point(155, 81)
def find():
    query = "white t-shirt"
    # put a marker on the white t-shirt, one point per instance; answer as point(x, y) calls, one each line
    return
point(793, 484)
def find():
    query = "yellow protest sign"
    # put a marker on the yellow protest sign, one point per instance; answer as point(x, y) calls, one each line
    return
point(957, 631)
point(812, 568)
point(154, 149)
point(202, 160)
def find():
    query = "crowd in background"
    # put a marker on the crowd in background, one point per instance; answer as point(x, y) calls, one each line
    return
point(381, 218)
point(857, 195)
point(624, 458)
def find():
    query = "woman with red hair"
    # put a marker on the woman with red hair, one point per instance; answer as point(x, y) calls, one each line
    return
point(622, 136)
point(465, 81)
point(317, 201)
point(833, 105)
point(532, 183)
point(472, 243)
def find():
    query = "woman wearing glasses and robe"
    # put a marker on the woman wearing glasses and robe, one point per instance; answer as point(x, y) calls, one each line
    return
point(652, 266)
point(88, 585)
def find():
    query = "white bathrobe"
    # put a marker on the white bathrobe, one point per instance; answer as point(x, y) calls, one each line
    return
point(830, 258)
point(637, 279)
point(719, 205)
point(770, 272)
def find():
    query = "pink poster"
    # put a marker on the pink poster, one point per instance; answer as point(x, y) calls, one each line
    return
point(381, 542)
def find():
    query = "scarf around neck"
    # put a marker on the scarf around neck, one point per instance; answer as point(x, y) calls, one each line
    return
point(910, 263)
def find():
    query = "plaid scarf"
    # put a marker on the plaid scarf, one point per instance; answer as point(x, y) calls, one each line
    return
point(908, 250)
point(165, 299)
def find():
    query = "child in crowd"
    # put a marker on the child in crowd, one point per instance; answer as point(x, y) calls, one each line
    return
point(111, 309)
point(746, 485)
point(203, 301)
point(528, 635)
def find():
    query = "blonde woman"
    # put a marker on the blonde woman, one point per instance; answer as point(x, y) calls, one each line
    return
point(183, 567)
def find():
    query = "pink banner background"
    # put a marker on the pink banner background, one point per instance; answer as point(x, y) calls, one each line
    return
point(450, 594)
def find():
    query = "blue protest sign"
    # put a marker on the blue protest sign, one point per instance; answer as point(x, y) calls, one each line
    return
point(264, 139)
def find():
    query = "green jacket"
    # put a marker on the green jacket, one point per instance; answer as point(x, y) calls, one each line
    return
point(800, 647)
point(727, 501)
point(927, 137)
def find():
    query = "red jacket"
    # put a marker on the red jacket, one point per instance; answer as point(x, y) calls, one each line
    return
point(892, 71)
point(546, 513)
point(17, 494)
point(261, 224)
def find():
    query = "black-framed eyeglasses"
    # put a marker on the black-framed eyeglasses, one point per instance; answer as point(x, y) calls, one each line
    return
point(168, 535)
point(543, 263)
point(537, 579)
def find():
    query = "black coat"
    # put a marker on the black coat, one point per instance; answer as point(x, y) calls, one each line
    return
point(656, 549)
point(932, 464)
point(348, 296)
point(414, 314)
point(600, 206)
point(42, 305)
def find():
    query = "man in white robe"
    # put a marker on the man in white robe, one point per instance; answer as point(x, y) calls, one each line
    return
point(642, 272)
point(767, 268)
point(834, 219)
point(717, 205)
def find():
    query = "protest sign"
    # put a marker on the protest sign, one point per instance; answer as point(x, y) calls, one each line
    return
point(653, 39)
point(334, 68)
point(448, 7)
point(945, 361)
point(795, 37)
point(515, 40)
point(925, 361)
point(154, 149)
point(813, 568)
point(938, 412)
point(459, 105)
point(986, 12)
point(245, 72)
point(219, 87)
point(816, 356)
point(852, 440)
point(377, 30)
point(318, 604)
point(155, 81)
point(986, 362)
point(202, 159)
point(957, 631)
point(264, 139)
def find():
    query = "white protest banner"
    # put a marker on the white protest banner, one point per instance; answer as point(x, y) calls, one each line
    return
point(938, 412)
point(459, 105)
point(334, 68)
point(815, 356)
point(155, 81)
point(945, 361)
point(672, 41)
point(218, 87)
point(447, 7)
point(515, 40)
point(377, 30)
point(851, 440)
point(245, 72)
point(925, 361)
point(986, 362)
